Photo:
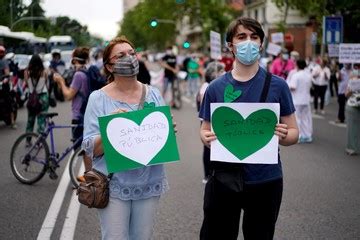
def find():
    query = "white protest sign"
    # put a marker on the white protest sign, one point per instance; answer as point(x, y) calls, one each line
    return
point(277, 37)
point(154, 129)
point(349, 53)
point(273, 49)
point(245, 132)
point(354, 85)
point(333, 50)
point(215, 45)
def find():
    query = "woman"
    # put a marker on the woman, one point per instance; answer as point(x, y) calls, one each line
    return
point(321, 76)
point(353, 113)
point(36, 78)
point(134, 194)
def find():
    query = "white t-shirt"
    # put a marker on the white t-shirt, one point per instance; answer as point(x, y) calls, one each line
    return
point(321, 75)
point(300, 84)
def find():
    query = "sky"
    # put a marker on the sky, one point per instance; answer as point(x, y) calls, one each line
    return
point(101, 16)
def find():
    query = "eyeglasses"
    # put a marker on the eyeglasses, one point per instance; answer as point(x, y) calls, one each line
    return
point(121, 55)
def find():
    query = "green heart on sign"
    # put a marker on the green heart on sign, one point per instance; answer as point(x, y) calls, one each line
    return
point(230, 95)
point(149, 105)
point(243, 137)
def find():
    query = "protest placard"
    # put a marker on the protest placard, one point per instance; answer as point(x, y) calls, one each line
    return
point(349, 53)
point(139, 138)
point(245, 132)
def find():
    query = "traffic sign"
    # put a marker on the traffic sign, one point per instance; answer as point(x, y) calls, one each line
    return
point(332, 29)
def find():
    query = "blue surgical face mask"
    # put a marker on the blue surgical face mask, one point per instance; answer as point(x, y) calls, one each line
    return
point(247, 52)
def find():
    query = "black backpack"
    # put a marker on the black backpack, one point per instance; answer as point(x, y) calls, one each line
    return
point(95, 81)
point(34, 104)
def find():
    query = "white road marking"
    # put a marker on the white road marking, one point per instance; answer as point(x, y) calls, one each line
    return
point(53, 212)
point(72, 214)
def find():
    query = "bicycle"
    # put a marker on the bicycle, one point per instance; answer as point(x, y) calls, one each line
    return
point(31, 158)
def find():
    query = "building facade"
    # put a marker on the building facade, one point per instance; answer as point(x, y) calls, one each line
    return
point(298, 35)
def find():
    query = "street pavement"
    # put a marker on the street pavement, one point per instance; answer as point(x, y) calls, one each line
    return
point(321, 198)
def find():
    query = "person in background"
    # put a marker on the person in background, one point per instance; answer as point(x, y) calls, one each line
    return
point(294, 56)
point(98, 59)
point(343, 83)
point(282, 65)
point(56, 62)
point(169, 63)
point(77, 93)
point(144, 75)
point(353, 112)
point(233, 188)
point(212, 71)
point(227, 59)
point(194, 74)
point(300, 85)
point(334, 76)
point(36, 77)
point(321, 77)
point(134, 194)
point(6, 87)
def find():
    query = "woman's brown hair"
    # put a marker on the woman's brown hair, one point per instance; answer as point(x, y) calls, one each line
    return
point(107, 53)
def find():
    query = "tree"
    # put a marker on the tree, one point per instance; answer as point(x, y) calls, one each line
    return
point(17, 10)
point(349, 9)
point(210, 15)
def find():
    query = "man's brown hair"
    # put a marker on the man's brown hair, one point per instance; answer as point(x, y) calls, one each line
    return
point(248, 23)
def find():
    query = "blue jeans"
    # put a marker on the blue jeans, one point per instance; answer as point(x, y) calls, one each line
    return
point(128, 220)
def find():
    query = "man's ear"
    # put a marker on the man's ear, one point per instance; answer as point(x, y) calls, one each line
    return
point(230, 46)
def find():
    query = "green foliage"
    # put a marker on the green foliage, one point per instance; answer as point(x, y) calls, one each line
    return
point(43, 28)
point(210, 15)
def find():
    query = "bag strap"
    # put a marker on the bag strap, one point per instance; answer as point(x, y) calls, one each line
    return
point(143, 95)
point(266, 87)
point(141, 105)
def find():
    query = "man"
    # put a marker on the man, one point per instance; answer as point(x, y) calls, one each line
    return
point(169, 63)
point(77, 93)
point(255, 189)
point(56, 62)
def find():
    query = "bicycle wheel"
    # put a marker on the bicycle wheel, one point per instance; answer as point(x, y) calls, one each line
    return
point(29, 158)
point(76, 166)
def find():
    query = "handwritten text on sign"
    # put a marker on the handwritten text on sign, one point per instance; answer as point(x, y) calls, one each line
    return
point(349, 53)
point(245, 132)
point(139, 138)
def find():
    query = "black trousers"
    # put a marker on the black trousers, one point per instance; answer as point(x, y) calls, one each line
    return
point(341, 102)
point(260, 204)
point(206, 161)
point(333, 82)
point(319, 91)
